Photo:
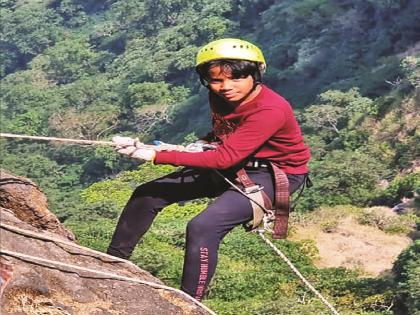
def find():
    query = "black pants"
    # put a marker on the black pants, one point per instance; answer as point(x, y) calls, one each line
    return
point(205, 231)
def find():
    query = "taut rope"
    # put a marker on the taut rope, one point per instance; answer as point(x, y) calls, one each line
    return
point(260, 232)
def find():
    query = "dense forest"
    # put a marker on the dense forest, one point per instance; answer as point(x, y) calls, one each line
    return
point(93, 69)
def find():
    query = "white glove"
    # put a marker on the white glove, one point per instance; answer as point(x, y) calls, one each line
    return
point(138, 153)
point(133, 148)
point(199, 146)
point(162, 146)
point(122, 142)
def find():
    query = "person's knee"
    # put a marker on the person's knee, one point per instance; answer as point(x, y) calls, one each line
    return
point(142, 199)
point(199, 227)
point(142, 191)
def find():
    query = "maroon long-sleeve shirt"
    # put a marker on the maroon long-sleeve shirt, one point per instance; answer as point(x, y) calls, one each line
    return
point(264, 128)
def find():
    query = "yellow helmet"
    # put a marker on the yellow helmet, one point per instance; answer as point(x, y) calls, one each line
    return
point(230, 48)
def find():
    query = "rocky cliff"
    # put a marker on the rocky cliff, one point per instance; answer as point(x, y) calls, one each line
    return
point(44, 271)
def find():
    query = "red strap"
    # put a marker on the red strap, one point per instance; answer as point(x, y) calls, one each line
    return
point(281, 200)
point(246, 182)
point(244, 179)
point(281, 203)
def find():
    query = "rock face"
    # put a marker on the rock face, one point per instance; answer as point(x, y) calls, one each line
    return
point(29, 204)
point(52, 275)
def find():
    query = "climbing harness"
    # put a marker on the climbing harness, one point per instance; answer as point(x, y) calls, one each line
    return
point(251, 191)
point(263, 209)
point(269, 217)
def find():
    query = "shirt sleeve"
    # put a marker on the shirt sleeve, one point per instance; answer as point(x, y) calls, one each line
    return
point(249, 136)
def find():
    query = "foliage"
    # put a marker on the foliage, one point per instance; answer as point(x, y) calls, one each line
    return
point(411, 68)
point(250, 278)
point(398, 187)
point(27, 30)
point(407, 276)
point(391, 224)
point(117, 191)
point(342, 177)
point(91, 69)
point(69, 60)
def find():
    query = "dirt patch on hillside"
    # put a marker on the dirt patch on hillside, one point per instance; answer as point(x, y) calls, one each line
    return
point(349, 244)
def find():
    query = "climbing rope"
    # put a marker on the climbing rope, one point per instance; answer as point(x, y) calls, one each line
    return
point(75, 141)
point(259, 231)
point(267, 220)
point(297, 272)
point(76, 269)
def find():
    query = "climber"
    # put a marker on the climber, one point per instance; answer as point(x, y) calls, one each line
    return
point(255, 140)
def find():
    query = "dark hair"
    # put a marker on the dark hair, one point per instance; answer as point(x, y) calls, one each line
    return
point(236, 68)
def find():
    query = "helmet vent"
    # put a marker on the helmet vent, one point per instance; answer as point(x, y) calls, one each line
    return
point(230, 48)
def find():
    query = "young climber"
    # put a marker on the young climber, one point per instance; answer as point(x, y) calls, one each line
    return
point(255, 140)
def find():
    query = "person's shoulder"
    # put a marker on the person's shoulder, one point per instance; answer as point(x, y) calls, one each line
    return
point(270, 98)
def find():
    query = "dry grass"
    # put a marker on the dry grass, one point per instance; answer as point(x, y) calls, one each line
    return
point(31, 302)
point(343, 241)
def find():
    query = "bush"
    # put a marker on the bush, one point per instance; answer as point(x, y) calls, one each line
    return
point(407, 278)
point(388, 223)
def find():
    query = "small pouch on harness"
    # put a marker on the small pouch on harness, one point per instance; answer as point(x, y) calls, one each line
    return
point(258, 212)
point(259, 199)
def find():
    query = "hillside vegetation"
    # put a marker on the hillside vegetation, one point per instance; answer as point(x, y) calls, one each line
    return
point(92, 69)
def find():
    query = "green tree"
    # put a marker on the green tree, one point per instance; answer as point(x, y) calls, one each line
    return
point(27, 100)
point(343, 177)
point(411, 69)
point(407, 277)
point(28, 29)
point(70, 60)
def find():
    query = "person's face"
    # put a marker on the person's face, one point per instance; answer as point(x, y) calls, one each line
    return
point(233, 90)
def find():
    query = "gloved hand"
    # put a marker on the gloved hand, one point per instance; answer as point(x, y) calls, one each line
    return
point(199, 146)
point(138, 153)
point(162, 146)
point(122, 142)
point(133, 148)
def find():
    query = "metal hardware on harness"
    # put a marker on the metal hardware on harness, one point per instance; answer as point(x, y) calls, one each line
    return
point(268, 218)
point(268, 215)
point(240, 190)
point(267, 223)
point(253, 189)
point(256, 164)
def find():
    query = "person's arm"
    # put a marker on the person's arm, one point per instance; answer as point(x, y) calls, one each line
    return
point(250, 135)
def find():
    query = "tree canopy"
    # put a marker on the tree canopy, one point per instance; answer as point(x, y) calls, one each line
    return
point(92, 69)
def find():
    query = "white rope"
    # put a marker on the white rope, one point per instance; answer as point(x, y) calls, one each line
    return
point(106, 275)
point(260, 231)
point(47, 262)
point(138, 144)
point(266, 227)
point(296, 271)
point(241, 192)
point(76, 141)
point(61, 241)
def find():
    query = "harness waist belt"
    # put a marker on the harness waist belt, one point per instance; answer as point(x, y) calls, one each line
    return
point(257, 164)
